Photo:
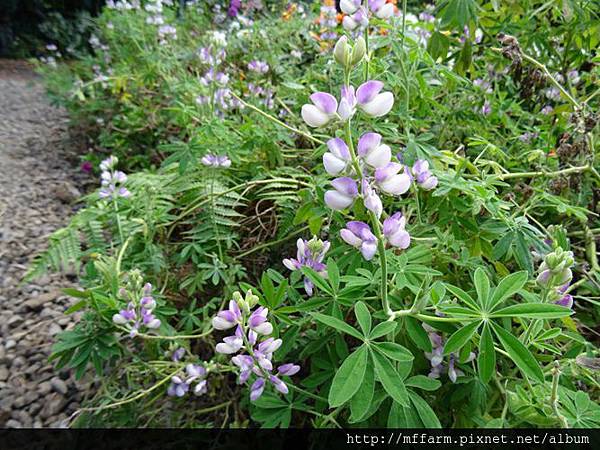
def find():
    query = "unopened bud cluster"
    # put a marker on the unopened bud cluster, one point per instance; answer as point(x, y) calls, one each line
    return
point(555, 275)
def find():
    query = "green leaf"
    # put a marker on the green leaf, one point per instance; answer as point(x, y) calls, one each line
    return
point(534, 311)
point(462, 295)
point(417, 334)
point(425, 412)
point(394, 351)
point(338, 325)
point(522, 253)
point(486, 360)
point(460, 337)
point(333, 274)
point(507, 287)
point(364, 317)
point(317, 279)
point(522, 357)
point(382, 329)
point(423, 382)
point(482, 285)
point(438, 45)
point(361, 402)
point(390, 379)
point(349, 377)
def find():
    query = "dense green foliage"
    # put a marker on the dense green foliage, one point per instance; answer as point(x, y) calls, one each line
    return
point(487, 95)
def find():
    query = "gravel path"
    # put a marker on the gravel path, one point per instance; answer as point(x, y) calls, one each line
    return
point(36, 195)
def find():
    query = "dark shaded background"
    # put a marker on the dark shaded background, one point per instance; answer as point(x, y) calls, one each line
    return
point(24, 24)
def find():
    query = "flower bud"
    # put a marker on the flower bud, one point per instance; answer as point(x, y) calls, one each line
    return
point(359, 51)
point(342, 51)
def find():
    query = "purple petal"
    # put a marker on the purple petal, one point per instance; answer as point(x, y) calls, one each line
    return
point(368, 142)
point(339, 148)
point(368, 91)
point(345, 185)
point(325, 102)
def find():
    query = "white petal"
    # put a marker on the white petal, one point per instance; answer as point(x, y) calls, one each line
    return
point(380, 105)
point(336, 200)
point(333, 164)
point(379, 157)
point(396, 185)
point(313, 116)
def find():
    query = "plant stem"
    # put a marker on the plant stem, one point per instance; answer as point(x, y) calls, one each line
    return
point(541, 173)
point(116, 207)
point(277, 121)
point(212, 215)
point(554, 396)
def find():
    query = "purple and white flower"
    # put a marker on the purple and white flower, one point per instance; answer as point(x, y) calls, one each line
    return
point(139, 311)
point(112, 181)
point(372, 151)
point(252, 356)
point(343, 195)
point(370, 199)
point(337, 158)
point(381, 9)
point(359, 235)
point(391, 181)
point(220, 161)
point(309, 254)
point(322, 110)
point(260, 67)
point(372, 101)
point(423, 175)
point(395, 232)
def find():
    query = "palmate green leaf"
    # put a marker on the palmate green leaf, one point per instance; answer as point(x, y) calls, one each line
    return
point(521, 356)
point(349, 377)
point(333, 274)
point(460, 337)
point(418, 334)
point(486, 359)
point(338, 325)
point(361, 401)
point(424, 411)
point(390, 379)
point(507, 287)
point(317, 279)
point(394, 351)
point(482, 285)
point(382, 329)
point(462, 295)
point(423, 382)
point(534, 311)
point(364, 317)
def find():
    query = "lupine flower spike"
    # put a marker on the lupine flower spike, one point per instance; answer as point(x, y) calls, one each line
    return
point(310, 254)
point(138, 313)
point(252, 349)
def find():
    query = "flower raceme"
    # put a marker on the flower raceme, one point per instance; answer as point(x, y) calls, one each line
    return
point(216, 161)
point(555, 275)
point(180, 384)
point(253, 351)
point(368, 98)
point(112, 180)
point(139, 311)
point(357, 16)
point(310, 254)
